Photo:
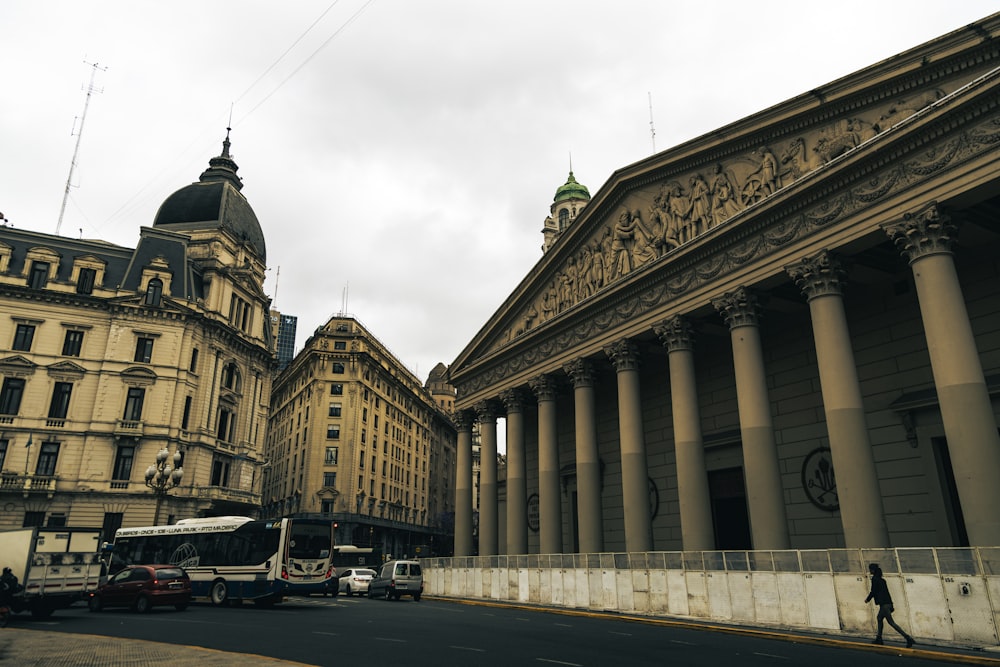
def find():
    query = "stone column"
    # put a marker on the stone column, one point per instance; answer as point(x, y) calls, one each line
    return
point(693, 496)
point(765, 497)
point(517, 485)
point(549, 506)
point(821, 280)
point(588, 464)
point(489, 525)
point(926, 239)
point(635, 477)
point(463, 485)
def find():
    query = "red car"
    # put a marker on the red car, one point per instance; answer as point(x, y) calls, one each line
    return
point(141, 587)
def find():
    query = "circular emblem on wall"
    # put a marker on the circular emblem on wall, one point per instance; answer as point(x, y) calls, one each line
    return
point(533, 512)
point(819, 481)
point(654, 499)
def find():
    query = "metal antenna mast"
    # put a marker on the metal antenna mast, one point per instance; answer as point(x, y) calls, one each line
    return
point(652, 130)
point(79, 134)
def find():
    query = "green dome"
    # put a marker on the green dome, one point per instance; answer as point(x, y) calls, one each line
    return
point(571, 190)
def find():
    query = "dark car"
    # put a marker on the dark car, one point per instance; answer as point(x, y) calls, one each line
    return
point(142, 587)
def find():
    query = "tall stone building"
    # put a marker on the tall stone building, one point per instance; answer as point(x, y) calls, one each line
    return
point(127, 365)
point(782, 334)
point(356, 438)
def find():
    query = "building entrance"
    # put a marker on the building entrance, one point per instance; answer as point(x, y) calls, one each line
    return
point(729, 509)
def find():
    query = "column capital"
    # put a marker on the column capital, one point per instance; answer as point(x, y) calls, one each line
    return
point(675, 333)
point(819, 275)
point(486, 411)
point(624, 355)
point(463, 420)
point(929, 231)
point(581, 372)
point(513, 400)
point(739, 308)
point(544, 387)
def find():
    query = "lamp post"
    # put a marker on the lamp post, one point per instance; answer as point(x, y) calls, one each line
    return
point(162, 476)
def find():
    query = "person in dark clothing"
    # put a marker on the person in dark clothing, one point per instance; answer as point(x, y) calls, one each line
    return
point(8, 586)
point(880, 593)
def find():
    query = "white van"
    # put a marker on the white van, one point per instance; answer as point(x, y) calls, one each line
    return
point(396, 579)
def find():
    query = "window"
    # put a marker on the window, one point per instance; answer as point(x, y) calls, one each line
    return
point(361, 462)
point(327, 507)
point(73, 343)
point(334, 410)
point(337, 368)
point(85, 281)
point(331, 456)
point(133, 404)
point(23, 336)
point(34, 519)
point(563, 219)
point(112, 522)
point(39, 276)
point(220, 471)
point(47, 457)
point(10, 396)
point(186, 417)
point(333, 432)
point(154, 292)
point(226, 426)
point(3, 452)
point(194, 360)
point(339, 345)
point(123, 462)
point(144, 350)
point(231, 377)
point(336, 389)
point(59, 407)
point(330, 479)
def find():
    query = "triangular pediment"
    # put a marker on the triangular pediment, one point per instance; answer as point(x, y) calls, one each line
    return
point(706, 208)
point(66, 369)
point(17, 366)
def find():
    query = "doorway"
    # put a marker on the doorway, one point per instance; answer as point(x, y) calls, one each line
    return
point(729, 509)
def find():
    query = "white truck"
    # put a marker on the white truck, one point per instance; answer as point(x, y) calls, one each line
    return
point(55, 567)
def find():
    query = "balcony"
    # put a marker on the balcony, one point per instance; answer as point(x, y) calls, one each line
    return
point(128, 428)
point(27, 484)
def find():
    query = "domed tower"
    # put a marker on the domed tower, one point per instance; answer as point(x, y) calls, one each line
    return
point(226, 243)
point(570, 199)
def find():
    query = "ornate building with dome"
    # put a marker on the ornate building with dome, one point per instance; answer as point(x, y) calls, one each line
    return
point(570, 199)
point(136, 381)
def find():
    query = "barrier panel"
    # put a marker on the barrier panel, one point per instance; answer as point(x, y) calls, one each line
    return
point(941, 595)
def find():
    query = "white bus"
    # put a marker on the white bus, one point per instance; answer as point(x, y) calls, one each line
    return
point(237, 558)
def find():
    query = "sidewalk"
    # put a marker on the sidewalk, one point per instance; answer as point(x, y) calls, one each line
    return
point(35, 648)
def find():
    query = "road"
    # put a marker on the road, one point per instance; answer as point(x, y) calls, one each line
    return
point(432, 633)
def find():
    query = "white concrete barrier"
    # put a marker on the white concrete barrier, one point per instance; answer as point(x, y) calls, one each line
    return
point(941, 595)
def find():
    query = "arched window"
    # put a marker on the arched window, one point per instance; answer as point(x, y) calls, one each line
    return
point(154, 292)
point(563, 219)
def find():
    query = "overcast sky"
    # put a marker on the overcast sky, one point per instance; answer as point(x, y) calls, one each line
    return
point(400, 155)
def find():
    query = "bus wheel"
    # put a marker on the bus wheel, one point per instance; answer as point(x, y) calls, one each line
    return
point(219, 594)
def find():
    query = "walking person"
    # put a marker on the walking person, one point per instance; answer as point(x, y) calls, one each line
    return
point(880, 593)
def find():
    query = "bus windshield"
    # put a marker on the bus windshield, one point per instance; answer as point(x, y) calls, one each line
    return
point(310, 540)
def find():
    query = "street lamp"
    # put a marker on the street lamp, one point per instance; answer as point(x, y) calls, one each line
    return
point(161, 477)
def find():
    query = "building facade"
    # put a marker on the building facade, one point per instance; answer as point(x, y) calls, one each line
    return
point(782, 334)
point(136, 381)
point(284, 328)
point(356, 438)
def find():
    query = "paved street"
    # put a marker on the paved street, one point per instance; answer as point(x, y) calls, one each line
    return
point(326, 631)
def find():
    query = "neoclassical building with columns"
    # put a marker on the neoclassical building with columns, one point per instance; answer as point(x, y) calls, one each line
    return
point(784, 334)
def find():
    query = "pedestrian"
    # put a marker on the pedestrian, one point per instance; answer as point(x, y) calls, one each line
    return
point(880, 593)
point(8, 586)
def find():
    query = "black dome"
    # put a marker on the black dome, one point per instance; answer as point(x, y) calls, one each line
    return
point(216, 200)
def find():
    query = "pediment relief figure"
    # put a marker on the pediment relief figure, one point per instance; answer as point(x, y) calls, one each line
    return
point(684, 205)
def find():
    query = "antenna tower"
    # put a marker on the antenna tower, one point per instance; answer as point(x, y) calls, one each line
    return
point(652, 130)
point(79, 134)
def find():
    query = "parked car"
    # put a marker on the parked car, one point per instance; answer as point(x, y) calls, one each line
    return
point(355, 580)
point(142, 587)
point(396, 579)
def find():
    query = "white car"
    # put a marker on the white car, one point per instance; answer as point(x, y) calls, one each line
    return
point(355, 580)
